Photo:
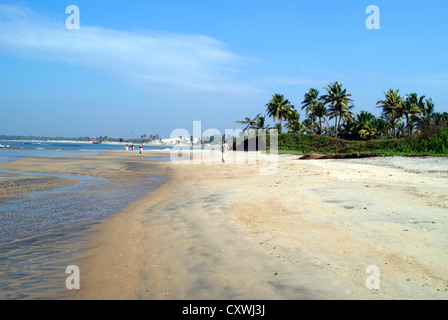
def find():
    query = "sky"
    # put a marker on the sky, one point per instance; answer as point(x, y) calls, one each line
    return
point(149, 67)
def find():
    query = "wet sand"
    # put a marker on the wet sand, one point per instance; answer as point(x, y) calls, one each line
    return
point(15, 186)
point(46, 220)
point(309, 231)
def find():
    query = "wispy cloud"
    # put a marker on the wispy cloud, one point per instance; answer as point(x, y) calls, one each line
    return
point(142, 58)
point(434, 79)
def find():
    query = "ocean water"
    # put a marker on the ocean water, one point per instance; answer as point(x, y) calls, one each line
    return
point(42, 235)
point(27, 149)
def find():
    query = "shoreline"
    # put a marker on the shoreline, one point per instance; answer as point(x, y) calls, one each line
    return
point(116, 143)
point(215, 231)
point(65, 241)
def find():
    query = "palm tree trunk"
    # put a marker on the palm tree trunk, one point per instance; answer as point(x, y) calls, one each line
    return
point(393, 126)
point(339, 122)
point(336, 126)
point(408, 124)
point(328, 126)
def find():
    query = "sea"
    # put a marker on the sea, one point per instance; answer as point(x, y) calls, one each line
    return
point(43, 234)
point(49, 149)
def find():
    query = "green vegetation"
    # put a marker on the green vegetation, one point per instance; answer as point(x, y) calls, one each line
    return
point(407, 125)
point(310, 143)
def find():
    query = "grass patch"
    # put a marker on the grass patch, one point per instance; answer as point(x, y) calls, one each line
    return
point(303, 144)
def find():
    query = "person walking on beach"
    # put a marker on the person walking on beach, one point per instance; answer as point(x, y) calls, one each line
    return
point(224, 149)
point(141, 149)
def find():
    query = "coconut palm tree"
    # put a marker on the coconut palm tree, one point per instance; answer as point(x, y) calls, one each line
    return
point(348, 130)
point(427, 115)
point(339, 102)
point(279, 108)
point(440, 118)
point(391, 106)
point(429, 108)
point(277, 127)
point(365, 123)
point(293, 124)
point(381, 126)
point(310, 101)
point(412, 108)
point(260, 122)
point(251, 123)
point(401, 129)
point(308, 125)
point(320, 112)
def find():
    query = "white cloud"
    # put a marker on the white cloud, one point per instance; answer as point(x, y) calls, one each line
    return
point(144, 59)
point(434, 79)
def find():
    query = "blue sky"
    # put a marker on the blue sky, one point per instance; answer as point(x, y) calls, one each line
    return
point(155, 66)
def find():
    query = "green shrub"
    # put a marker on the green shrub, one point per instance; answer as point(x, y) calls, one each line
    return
point(311, 143)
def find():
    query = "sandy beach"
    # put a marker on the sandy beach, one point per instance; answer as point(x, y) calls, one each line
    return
point(224, 231)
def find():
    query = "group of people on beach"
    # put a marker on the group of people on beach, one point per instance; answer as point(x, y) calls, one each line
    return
point(131, 148)
point(224, 149)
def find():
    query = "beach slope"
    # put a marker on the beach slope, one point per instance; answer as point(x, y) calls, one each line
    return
point(313, 230)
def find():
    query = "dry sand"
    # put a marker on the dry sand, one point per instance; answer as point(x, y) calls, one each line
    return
point(309, 231)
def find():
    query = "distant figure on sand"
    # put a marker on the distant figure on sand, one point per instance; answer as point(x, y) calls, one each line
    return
point(126, 148)
point(141, 149)
point(224, 149)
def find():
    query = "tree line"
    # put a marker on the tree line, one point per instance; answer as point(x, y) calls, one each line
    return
point(331, 114)
point(142, 139)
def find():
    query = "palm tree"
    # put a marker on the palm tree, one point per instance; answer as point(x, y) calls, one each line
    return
point(279, 108)
point(412, 108)
point(277, 127)
point(251, 123)
point(310, 101)
point(391, 107)
point(345, 114)
point(308, 125)
point(427, 119)
point(429, 108)
point(260, 122)
point(440, 118)
point(348, 130)
point(320, 111)
point(293, 123)
point(381, 126)
point(338, 100)
point(365, 124)
point(401, 129)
